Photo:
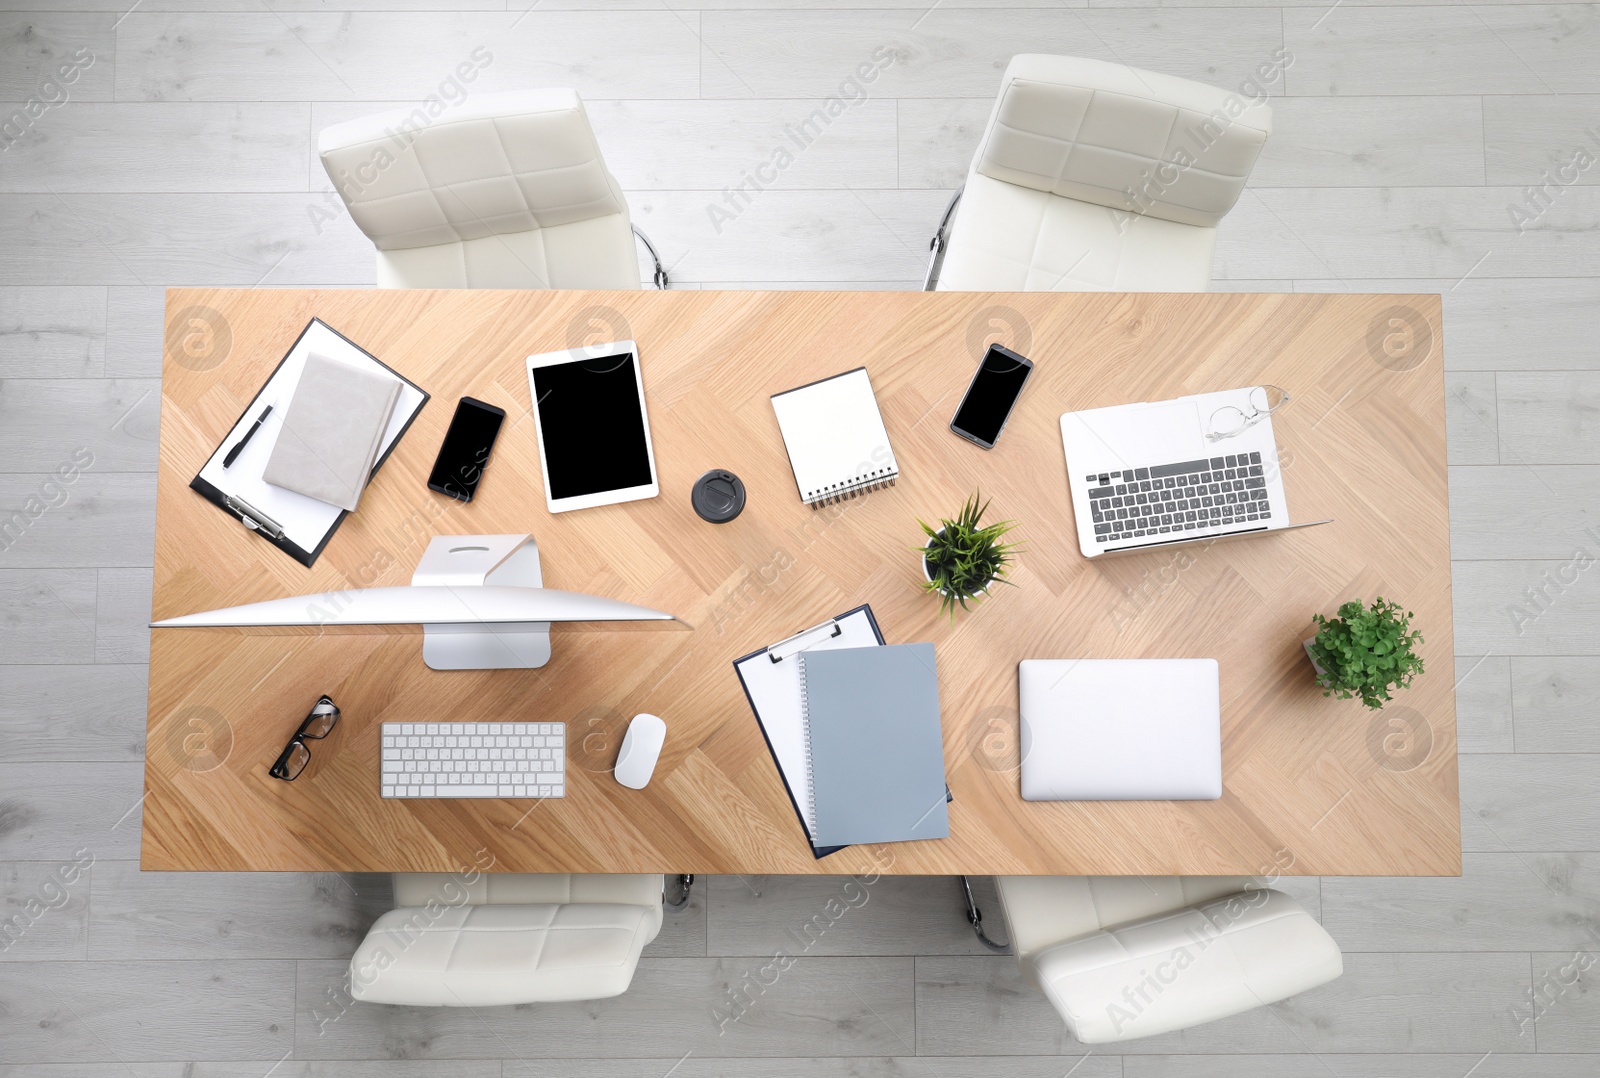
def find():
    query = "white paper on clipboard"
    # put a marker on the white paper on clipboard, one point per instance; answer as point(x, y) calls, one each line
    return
point(774, 689)
point(305, 521)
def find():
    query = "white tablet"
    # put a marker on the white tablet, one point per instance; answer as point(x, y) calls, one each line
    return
point(594, 432)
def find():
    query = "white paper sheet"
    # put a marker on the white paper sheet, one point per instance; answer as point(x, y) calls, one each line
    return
point(774, 688)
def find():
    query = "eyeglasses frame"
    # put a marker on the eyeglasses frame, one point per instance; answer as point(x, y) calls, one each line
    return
point(279, 769)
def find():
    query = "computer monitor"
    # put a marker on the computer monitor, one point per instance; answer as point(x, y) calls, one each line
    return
point(471, 620)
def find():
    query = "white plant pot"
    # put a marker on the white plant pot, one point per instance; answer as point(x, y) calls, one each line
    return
point(929, 576)
point(1314, 664)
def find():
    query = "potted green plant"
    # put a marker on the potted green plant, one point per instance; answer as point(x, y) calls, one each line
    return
point(961, 559)
point(1365, 651)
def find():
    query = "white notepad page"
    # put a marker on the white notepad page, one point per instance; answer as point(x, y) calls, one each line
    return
point(304, 520)
point(774, 689)
point(835, 435)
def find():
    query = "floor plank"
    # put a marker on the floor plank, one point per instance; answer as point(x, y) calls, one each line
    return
point(47, 615)
point(391, 55)
point(131, 1011)
point(862, 1006)
point(1382, 1003)
point(1496, 49)
point(171, 146)
point(52, 811)
point(38, 43)
point(1483, 703)
point(1566, 1014)
point(1086, 1064)
point(1550, 417)
point(1479, 1065)
point(1534, 801)
point(93, 714)
point(1372, 142)
point(948, 52)
point(122, 616)
point(1500, 902)
point(44, 910)
point(236, 916)
point(1554, 701)
point(52, 332)
point(840, 915)
point(1555, 509)
point(94, 520)
point(1545, 607)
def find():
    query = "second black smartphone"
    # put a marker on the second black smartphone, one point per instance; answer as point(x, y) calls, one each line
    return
point(465, 452)
point(991, 395)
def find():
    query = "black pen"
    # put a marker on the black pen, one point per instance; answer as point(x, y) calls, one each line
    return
point(233, 454)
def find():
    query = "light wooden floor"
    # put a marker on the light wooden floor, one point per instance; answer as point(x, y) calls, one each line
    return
point(183, 155)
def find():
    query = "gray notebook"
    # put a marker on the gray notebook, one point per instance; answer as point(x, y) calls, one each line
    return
point(332, 431)
point(876, 748)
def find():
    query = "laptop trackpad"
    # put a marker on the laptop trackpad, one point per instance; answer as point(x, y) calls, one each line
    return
point(1124, 437)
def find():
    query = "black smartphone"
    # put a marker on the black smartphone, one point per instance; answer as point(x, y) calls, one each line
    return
point(990, 397)
point(465, 452)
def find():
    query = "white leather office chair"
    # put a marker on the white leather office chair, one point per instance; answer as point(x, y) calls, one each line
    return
point(1130, 956)
point(503, 191)
point(1093, 176)
point(507, 938)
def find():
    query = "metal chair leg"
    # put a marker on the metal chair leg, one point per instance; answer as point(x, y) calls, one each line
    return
point(975, 919)
point(681, 885)
point(660, 276)
point(939, 241)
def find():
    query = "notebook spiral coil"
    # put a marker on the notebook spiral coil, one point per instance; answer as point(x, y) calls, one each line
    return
point(846, 491)
point(805, 730)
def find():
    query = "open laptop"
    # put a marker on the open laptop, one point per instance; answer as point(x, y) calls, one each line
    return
point(1146, 475)
point(1120, 729)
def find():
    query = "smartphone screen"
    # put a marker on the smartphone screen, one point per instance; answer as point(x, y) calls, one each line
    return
point(989, 398)
point(465, 452)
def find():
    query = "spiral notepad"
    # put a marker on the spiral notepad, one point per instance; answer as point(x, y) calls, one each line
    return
point(873, 744)
point(834, 433)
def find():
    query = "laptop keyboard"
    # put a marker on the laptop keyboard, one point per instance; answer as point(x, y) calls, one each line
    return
point(1186, 496)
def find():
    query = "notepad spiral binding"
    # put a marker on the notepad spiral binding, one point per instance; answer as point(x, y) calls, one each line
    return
point(805, 730)
point(838, 492)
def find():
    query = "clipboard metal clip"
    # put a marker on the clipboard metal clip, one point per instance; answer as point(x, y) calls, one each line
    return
point(253, 518)
point(803, 639)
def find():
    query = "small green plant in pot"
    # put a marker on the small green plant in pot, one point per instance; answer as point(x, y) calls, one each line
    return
point(962, 558)
point(1365, 651)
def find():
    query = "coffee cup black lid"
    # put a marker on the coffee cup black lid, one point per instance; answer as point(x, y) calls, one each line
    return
point(718, 496)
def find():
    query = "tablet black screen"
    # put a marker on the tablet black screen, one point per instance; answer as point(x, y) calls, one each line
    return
point(591, 422)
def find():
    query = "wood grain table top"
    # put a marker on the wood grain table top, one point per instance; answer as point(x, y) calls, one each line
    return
point(1311, 785)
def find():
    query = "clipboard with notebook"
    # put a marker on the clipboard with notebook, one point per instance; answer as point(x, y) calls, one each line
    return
point(295, 463)
point(835, 437)
point(853, 726)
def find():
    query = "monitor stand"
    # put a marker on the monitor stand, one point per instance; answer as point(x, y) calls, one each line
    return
point(473, 561)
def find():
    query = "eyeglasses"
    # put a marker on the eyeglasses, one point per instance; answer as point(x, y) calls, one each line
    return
point(318, 725)
point(1230, 420)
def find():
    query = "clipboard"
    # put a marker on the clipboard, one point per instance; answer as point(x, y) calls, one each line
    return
point(855, 627)
point(763, 674)
point(295, 524)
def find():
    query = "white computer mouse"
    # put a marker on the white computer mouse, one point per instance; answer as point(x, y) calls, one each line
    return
point(640, 750)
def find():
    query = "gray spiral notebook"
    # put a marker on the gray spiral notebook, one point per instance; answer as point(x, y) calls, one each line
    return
point(875, 744)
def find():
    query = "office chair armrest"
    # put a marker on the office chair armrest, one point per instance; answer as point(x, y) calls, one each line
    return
point(940, 238)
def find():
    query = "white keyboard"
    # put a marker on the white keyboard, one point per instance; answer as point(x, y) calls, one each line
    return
point(474, 759)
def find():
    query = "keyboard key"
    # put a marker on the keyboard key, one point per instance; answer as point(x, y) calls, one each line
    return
point(1217, 462)
point(1230, 462)
point(1255, 483)
point(1164, 470)
point(1142, 473)
point(1101, 492)
point(1255, 458)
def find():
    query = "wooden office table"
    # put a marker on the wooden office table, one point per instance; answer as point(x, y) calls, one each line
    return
point(1312, 785)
